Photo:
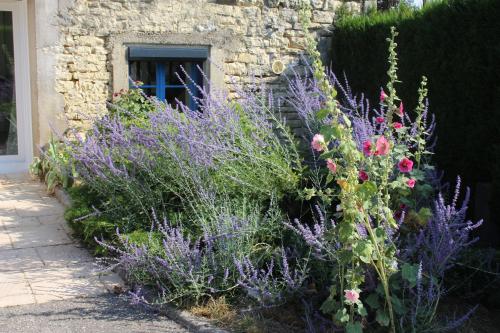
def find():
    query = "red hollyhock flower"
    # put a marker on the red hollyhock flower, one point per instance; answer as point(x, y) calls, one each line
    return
point(363, 176)
point(330, 164)
point(401, 109)
point(367, 148)
point(405, 165)
point(382, 147)
point(411, 183)
point(383, 96)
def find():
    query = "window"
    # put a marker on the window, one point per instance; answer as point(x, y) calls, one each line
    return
point(160, 69)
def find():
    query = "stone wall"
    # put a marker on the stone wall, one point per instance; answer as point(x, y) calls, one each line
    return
point(245, 37)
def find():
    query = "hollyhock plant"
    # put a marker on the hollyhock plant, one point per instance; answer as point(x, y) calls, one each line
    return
point(367, 200)
point(351, 296)
point(401, 109)
point(363, 176)
point(405, 165)
point(318, 142)
point(367, 148)
point(382, 147)
point(383, 96)
point(331, 165)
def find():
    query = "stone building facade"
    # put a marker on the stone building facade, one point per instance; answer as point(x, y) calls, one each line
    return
point(78, 48)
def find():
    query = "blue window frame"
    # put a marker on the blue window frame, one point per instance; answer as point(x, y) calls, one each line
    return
point(160, 70)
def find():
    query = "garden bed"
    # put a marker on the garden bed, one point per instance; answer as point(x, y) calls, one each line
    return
point(224, 211)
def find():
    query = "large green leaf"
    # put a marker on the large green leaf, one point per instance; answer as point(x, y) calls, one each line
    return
point(354, 328)
point(364, 250)
point(409, 273)
point(382, 317)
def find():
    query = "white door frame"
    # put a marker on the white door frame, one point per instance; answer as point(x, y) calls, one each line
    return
point(21, 161)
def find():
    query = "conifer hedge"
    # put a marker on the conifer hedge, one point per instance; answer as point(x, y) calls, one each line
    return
point(456, 44)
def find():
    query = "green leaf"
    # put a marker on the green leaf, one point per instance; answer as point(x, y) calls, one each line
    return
point(329, 305)
point(309, 193)
point(364, 250)
point(329, 178)
point(327, 154)
point(322, 114)
point(409, 273)
point(367, 190)
point(397, 305)
point(329, 132)
point(342, 316)
point(372, 301)
point(347, 121)
point(361, 310)
point(382, 317)
point(346, 231)
point(380, 234)
point(354, 328)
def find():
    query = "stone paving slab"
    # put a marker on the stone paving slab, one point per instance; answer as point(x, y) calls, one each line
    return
point(16, 260)
point(43, 235)
point(39, 261)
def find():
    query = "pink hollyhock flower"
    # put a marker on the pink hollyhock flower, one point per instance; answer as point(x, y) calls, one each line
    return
point(383, 96)
point(397, 125)
point(367, 148)
point(318, 142)
point(351, 295)
point(379, 120)
point(330, 164)
point(363, 176)
point(401, 109)
point(405, 165)
point(382, 147)
point(411, 183)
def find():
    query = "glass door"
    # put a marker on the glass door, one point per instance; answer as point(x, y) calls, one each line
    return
point(8, 123)
point(15, 93)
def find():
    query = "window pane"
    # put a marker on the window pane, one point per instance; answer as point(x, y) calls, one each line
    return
point(149, 91)
point(173, 94)
point(176, 72)
point(144, 71)
point(8, 128)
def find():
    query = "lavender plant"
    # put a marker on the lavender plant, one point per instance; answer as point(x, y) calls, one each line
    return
point(214, 177)
point(445, 235)
point(185, 268)
point(180, 160)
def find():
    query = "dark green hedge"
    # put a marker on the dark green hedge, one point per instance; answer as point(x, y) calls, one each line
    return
point(456, 44)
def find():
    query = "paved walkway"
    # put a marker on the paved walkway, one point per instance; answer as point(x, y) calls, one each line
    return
point(39, 261)
point(48, 282)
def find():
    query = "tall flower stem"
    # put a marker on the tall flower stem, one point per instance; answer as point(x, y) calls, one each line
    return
point(381, 272)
